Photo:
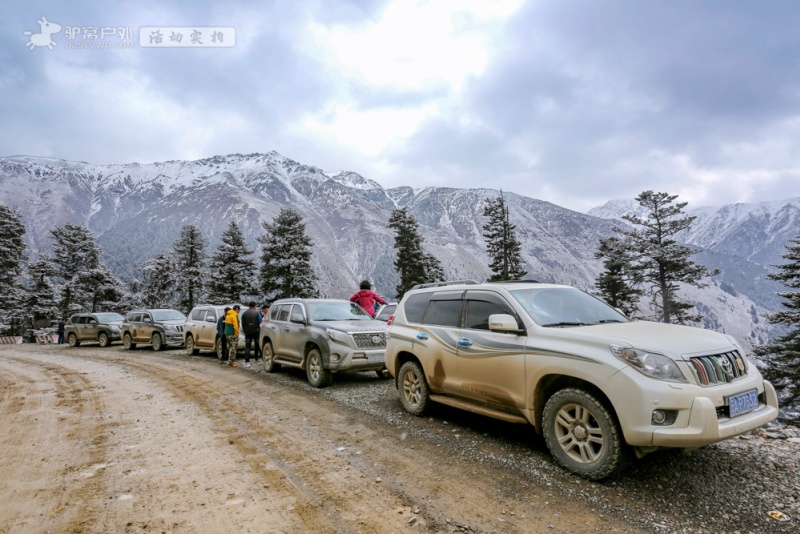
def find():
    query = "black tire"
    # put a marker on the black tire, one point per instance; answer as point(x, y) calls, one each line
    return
point(318, 376)
point(583, 434)
point(190, 350)
point(268, 358)
point(415, 395)
point(72, 340)
point(382, 373)
point(157, 342)
point(102, 338)
point(218, 350)
point(128, 342)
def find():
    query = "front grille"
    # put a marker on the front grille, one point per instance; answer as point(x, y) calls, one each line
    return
point(179, 328)
point(718, 368)
point(375, 340)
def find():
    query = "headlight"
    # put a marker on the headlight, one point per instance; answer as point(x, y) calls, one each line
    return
point(170, 327)
point(115, 328)
point(338, 335)
point(651, 364)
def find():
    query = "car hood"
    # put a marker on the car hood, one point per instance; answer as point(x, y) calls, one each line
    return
point(354, 325)
point(673, 340)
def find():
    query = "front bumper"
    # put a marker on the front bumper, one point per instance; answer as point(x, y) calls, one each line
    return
point(700, 411)
point(344, 358)
point(173, 338)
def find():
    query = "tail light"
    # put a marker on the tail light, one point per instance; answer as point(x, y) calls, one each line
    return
point(389, 320)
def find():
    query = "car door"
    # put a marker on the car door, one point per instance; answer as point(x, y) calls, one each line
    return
point(435, 342)
point(91, 329)
point(80, 328)
point(207, 328)
point(491, 365)
point(295, 334)
point(279, 318)
point(145, 328)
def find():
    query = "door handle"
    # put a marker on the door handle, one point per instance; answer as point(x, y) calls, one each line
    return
point(464, 342)
point(422, 336)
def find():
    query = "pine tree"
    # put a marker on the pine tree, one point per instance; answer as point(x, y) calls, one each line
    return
point(158, 284)
point(617, 284)
point(783, 354)
point(234, 270)
point(86, 283)
point(12, 256)
point(413, 264)
point(286, 269)
point(661, 262)
point(190, 270)
point(42, 300)
point(502, 244)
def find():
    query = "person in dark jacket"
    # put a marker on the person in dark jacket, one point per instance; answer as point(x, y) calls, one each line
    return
point(61, 324)
point(366, 298)
point(221, 335)
point(250, 327)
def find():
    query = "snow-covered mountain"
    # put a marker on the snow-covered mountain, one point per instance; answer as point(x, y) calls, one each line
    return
point(138, 211)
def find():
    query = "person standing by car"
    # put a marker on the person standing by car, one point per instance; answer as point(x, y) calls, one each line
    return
point(223, 341)
point(232, 333)
point(250, 327)
point(366, 298)
point(61, 324)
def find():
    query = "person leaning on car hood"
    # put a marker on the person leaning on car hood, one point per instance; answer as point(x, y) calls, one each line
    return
point(366, 298)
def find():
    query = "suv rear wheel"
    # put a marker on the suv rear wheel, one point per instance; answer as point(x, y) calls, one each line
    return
point(128, 342)
point(318, 376)
point(415, 394)
point(72, 339)
point(268, 357)
point(583, 434)
point(190, 350)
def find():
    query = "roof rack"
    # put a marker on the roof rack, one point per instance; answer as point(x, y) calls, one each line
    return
point(516, 282)
point(448, 283)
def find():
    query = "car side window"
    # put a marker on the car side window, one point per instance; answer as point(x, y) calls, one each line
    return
point(283, 312)
point(415, 307)
point(81, 320)
point(444, 313)
point(482, 304)
point(297, 310)
point(91, 320)
point(211, 314)
point(198, 314)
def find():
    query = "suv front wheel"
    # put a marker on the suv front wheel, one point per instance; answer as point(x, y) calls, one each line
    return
point(583, 434)
point(318, 376)
point(156, 342)
point(415, 394)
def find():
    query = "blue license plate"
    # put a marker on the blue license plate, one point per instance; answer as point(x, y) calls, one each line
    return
point(742, 403)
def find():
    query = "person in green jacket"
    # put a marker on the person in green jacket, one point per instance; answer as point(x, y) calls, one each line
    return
point(232, 334)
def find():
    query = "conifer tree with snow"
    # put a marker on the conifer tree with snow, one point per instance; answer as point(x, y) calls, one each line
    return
point(158, 284)
point(783, 354)
point(502, 245)
point(661, 262)
point(86, 282)
point(286, 269)
point(413, 264)
point(618, 284)
point(12, 258)
point(234, 271)
point(42, 299)
point(189, 255)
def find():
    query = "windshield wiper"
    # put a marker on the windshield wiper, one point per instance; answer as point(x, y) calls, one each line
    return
point(604, 321)
point(565, 323)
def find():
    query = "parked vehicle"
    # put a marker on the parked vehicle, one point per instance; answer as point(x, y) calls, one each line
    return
point(323, 337)
point(103, 328)
point(386, 311)
point(595, 383)
point(159, 328)
point(200, 329)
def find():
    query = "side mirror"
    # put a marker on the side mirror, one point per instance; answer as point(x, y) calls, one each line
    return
point(210, 320)
point(502, 322)
point(147, 320)
point(297, 318)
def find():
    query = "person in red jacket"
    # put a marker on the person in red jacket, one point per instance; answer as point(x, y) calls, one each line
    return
point(366, 298)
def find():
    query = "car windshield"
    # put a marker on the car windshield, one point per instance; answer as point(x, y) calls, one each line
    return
point(168, 315)
point(337, 311)
point(109, 317)
point(566, 306)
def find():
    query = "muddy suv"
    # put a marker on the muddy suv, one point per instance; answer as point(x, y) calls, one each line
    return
point(595, 383)
point(323, 337)
point(102, 328)
point(200, 329)
point(159, 328)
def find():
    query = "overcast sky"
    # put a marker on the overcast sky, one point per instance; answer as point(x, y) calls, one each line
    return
point(573, 102)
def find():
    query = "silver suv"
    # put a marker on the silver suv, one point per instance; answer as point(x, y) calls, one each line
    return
point(200, 329)
point(158, 328)
point(595, 383)
point(100, 327)
point(323, 337)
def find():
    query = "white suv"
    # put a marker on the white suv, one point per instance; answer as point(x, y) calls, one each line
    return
point(595, 383)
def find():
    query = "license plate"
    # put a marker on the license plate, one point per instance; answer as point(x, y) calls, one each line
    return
point(742, 403)
point(376, 357)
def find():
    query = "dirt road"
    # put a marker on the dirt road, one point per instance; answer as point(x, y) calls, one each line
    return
point(98, 440)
